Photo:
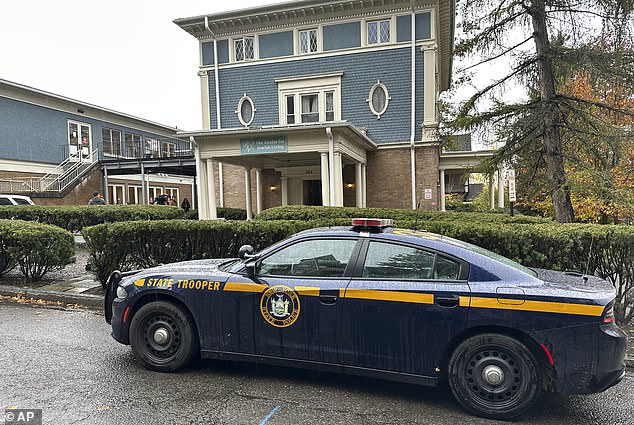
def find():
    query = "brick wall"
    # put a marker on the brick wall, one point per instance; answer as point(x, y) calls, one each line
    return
point(389, 178)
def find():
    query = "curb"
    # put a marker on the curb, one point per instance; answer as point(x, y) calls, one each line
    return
point(91, 301)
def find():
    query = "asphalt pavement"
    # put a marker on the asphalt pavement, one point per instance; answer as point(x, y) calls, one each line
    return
point(65, 362)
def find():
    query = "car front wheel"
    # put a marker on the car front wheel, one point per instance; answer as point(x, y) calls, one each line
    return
point(494, 376)
point(162, 336)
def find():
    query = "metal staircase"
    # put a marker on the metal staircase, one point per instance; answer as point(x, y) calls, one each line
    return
point(60, 180)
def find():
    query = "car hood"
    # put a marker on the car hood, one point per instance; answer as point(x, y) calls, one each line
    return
point(190, 267)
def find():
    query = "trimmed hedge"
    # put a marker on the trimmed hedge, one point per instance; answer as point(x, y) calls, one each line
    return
point(226, 213)
point(36, 248)
point(605, 251)
point(141, 244)
point(74, 218)
point(306, 213)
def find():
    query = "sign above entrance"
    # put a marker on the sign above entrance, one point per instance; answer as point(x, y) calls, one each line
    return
point(260, 145)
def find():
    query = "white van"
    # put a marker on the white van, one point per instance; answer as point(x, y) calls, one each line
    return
point(15, 200)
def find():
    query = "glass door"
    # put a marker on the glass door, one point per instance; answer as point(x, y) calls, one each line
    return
point(79, 141)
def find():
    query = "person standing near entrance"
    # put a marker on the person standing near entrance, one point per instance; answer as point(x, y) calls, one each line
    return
point(96, 199)
point(185, 205)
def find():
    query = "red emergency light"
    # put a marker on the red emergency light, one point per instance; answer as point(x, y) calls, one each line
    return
point(372, 222)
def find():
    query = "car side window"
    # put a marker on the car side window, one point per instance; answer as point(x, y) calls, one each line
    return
point(5, 201)
point(398, 262)
point(311, 258)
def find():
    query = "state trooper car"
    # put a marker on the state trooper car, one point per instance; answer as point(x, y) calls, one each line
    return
point(378, 301)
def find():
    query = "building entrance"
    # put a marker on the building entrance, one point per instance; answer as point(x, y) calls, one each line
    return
point(312, 193)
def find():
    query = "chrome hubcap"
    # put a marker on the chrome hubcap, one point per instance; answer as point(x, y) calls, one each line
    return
point(161, 336)
point(493, 375)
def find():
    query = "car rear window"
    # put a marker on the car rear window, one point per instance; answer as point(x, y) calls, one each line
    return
point(21, 201)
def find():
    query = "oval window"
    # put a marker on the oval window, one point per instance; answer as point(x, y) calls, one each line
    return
point(245, 110)
point(378, 99)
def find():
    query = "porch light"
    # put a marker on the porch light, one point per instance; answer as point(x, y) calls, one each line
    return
point(349, 185)
point(273, 188)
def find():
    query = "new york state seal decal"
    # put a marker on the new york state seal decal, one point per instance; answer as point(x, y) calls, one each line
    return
point(279, 306)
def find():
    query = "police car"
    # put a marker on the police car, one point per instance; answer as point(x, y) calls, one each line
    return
point(378, 301)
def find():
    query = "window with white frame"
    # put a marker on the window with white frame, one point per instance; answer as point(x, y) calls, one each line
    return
point(378, 99)
point(111, 141)
point(244, 49)
point(152, 148)
point(132, 145)
point(310, 107)
point(330, 105)
point(290, 108)
point(308, 41)
point(378, 31)
point(245, 110)
point(310, 99)
point(168, 149)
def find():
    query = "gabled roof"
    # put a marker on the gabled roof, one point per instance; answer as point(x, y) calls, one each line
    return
point(308, 12)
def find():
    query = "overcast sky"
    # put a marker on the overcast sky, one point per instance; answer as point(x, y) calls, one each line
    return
point(124, 55)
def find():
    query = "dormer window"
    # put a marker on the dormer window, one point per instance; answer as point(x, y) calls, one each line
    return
point(244, 49)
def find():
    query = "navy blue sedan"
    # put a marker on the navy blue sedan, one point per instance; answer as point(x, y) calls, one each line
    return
point(378, 301)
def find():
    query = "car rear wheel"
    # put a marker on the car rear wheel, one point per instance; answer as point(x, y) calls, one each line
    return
point(494, 376)
point(162, 336)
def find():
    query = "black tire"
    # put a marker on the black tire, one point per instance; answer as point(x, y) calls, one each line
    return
point(494, 376)
point(163, 337)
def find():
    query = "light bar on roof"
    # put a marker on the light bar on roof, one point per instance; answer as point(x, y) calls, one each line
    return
point(372, 222)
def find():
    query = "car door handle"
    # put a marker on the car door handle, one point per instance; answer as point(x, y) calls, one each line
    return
point(328, 299)
point(448, 301)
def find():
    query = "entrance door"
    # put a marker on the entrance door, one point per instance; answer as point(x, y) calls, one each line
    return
point(79, 141)
point(312, 192)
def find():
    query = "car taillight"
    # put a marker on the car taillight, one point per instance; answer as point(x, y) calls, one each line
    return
point(608, 314)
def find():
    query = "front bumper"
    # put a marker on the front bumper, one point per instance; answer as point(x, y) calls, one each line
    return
point(120, 330)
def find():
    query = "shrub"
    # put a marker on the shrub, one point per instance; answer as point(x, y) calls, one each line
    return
point(306, 213)
point(74, 218)
point(141, 244)
point(226, 213)
point(36, 248)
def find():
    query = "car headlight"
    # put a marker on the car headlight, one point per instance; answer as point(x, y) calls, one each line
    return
point(121, 292)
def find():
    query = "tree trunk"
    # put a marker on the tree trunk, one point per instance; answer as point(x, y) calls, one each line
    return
point(553, 156)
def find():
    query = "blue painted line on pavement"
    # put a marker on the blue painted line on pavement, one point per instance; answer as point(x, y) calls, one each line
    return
point(271, 413)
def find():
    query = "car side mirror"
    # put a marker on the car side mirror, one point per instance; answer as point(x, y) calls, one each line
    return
point(245, 252)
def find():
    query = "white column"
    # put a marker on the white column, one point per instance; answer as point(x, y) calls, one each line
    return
point(443, 207)
point(325, 180)
point(500, 189)
point(284, 188)
point(221, 185)
point(211, 211)
point(258, 191)
point(491, 192)
point(358, 182)
point(201, 175)
point(364, 179)
point(247, 181)
point(338, 180)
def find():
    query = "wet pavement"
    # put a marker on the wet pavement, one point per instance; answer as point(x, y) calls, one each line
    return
point(65, 363)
